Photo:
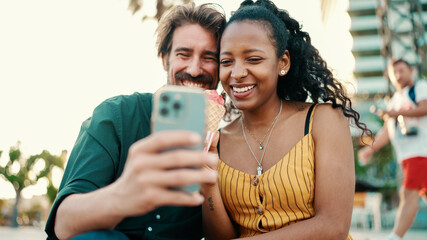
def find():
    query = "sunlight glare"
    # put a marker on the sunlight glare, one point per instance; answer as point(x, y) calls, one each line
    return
point(38, 189)
point(39, 165)
point(14, 169)
point(57, 176)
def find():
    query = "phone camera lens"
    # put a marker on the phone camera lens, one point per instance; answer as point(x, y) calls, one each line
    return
point(165, 98)
point(164, 111)
point(176, 106)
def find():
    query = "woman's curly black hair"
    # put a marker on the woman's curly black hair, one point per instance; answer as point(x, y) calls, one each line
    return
point(308, 76)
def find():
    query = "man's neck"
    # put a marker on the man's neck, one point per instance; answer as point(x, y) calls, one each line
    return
point(409, 85)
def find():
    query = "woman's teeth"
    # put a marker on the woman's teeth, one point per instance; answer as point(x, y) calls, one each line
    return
point(243, 89)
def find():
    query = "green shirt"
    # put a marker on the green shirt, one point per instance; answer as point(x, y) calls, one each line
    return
point(98, 159)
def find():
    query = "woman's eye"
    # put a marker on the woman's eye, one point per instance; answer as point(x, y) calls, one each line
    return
point(225, 62)
point(254, 59)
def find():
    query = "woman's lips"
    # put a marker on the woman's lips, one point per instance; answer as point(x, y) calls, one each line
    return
point(242, 91)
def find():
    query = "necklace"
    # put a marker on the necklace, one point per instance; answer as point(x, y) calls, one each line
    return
point(265, 135)
point(259, 167)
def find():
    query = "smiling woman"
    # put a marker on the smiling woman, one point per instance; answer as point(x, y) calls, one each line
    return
point(280, 187)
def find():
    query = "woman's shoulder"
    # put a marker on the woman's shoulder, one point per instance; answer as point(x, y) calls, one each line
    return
point(232, 127)
point(326, 117)
point(326, 110)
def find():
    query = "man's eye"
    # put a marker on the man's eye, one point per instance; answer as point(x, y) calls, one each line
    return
point(182, 55)
point(210, 58)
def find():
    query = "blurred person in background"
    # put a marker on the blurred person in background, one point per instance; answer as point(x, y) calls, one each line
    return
point(405, 125)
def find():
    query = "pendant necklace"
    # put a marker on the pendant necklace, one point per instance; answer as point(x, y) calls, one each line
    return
point(261, 146)
point(259, 167)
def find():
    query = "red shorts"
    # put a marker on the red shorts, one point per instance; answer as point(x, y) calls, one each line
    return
point(415, 174)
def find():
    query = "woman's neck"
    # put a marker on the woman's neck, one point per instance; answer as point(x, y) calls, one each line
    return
point(262, 116)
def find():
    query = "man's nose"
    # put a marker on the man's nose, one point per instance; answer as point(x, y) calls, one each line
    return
point(397, 75)
point(195, 67)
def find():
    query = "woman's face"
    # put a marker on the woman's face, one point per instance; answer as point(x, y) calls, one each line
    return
point(249, 67)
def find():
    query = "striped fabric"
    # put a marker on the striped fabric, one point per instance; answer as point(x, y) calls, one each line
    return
point(282, 195)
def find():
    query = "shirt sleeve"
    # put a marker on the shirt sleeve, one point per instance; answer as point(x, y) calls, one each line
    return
point(91, 164)
point(421, 90)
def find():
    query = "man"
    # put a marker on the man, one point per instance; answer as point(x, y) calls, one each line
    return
point(406, 126)
point(117, 184)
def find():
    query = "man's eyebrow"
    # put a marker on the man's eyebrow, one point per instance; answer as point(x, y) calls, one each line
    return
point(186, 49)
point(183, 49)
point(211, 53)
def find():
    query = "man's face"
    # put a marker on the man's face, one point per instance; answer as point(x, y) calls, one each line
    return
point(400, 75)
point(192, 60)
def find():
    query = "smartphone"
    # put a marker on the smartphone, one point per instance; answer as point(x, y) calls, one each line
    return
point(180, 108)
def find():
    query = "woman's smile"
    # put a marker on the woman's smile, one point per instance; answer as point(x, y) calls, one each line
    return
point(242, 90)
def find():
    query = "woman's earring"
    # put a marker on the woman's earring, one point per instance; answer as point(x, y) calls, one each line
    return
point(282, 72)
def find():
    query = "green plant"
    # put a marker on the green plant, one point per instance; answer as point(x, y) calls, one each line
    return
point(23, 172)
point(161, 7)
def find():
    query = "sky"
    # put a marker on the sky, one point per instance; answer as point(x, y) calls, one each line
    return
point(59, 59)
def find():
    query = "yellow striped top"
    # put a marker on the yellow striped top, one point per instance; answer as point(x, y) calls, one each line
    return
point(282, 195)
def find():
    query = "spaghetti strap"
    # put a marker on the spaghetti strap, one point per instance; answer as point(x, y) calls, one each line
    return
point(308, 119)
point(219, 137)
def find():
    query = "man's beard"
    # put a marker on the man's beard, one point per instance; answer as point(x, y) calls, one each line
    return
point(202, 79)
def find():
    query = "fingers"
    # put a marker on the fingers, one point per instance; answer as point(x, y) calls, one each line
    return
point(147, 153)
point(364, 155)
point(174, 159)
point(159, 141)
point(150, 172)
point(362, 160)
point(165, 197)
point(179, 177)
point(214, 143)
point(131, 201)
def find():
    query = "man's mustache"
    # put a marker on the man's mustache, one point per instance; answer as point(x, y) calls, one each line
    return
point(181, 76)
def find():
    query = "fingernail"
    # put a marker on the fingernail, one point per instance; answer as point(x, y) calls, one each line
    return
point(211, 175)
point(215, 174)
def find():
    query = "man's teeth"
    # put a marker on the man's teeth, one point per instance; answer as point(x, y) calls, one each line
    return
point(192, 84)
point(243, 89)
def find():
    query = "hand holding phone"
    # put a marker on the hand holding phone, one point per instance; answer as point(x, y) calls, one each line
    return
point(180, 108)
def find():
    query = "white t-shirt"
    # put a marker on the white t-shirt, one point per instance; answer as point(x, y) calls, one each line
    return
point(407, 146)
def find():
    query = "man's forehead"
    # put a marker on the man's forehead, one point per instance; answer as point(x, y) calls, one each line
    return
point(192, 37)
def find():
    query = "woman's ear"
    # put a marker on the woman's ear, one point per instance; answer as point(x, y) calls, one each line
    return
point(284, 63)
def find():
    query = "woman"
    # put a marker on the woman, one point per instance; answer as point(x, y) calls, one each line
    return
point(287, 167)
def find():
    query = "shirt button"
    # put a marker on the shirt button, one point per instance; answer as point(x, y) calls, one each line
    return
point(150, 229)
point(158, 216)
point(255, 181)
point(260, 210)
